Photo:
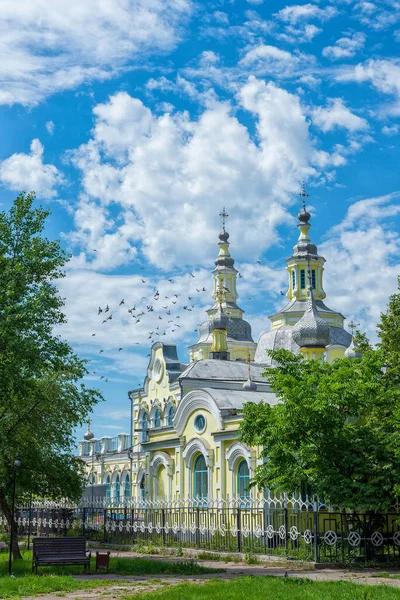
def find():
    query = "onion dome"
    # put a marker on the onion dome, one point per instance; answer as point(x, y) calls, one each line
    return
point(352, 351)
point(220, 320)
point(304, 216)
point(88, 436)
point(311, 331)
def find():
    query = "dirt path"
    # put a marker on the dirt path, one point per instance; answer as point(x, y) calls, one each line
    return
point(125, 585)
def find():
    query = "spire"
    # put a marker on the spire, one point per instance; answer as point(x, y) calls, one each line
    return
point(225, 270)
point(311, 332)
point(304, 252)
point(249, 385)
point(219, 329)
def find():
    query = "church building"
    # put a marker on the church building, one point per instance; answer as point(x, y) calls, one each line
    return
point(183, 439)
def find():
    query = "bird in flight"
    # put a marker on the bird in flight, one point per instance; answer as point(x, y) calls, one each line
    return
point(122, 302)
point(119, 349)
point(258, 262)
point(93, 334)
point(143, 281)
point(100, 310)
point(107, 308)
point(101, 351)
point(191, 274)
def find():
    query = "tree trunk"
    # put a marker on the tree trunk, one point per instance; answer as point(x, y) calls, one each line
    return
point(7, 513)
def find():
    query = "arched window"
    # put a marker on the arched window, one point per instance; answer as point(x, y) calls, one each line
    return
point(127, 488)
point(200, 487)
point(293, 279)
point(243, 480)
point(142, 487)
point(145, 427)
point(157, 418)
point(117, 490)
point(170, 417)
point(108, 489)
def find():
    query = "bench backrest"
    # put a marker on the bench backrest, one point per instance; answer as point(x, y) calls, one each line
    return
point(64, 545)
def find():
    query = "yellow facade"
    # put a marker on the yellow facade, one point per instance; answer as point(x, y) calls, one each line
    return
point(183, 439)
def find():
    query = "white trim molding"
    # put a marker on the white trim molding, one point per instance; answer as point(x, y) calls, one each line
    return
point(196, 400)
point(195, 446)
point(236, 452)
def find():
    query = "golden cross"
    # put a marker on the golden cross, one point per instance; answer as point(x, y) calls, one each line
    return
point(303, 194)
point(353, 326)
point(224, 215)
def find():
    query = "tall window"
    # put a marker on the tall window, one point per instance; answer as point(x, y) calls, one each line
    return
point(170, 417)
point(108, 489)
point(302, 279)
point(313, 274)
point(157, 418)
point(243, 481)
point(200, 487)
point(117, 491)
point(145, 426)
point(293, 279)
point(127, 488)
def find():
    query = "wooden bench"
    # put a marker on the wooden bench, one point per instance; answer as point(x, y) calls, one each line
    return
point(60, 551)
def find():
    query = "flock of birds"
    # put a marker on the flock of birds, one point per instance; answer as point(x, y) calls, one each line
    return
point(171, 307)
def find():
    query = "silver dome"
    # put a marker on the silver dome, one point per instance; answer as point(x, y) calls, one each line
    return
point(311, 331)
point(352, 351)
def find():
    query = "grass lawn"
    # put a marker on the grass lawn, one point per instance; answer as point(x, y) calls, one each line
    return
point(60, 579)
point(272, 588)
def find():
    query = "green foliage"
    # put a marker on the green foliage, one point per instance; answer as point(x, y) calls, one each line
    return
point(42, 397)
point(389, 333)
point(268, 588)
point(334, 430)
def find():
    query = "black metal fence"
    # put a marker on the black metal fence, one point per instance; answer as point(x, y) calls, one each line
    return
point(290, 528)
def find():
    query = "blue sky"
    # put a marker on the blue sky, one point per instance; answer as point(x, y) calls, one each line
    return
point(137, 121)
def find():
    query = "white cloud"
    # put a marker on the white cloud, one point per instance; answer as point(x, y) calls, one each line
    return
point(345, 47)
point(362, 264)
point(28, 172)
point(300, 12)
point(174, 173)
point(51, 46)
point(384, 75)
point(270, 60)
point(50, 127)
point(378, 16)
point(390, 129)
point(336, 114)
point(299, 34)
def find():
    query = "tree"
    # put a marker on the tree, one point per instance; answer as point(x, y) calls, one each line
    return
point(389, 333)
point(42, 398)
point(335, 430)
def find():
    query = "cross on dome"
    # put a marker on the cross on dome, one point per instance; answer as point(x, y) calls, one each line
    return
point(303, 194)
point(224, 215)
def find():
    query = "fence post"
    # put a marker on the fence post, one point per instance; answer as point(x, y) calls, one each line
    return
point(105, 521)
point(163, 525)
point(197, 527)
point(239, 529)
point(286, 519)
point(315, 516)
point(84, 523)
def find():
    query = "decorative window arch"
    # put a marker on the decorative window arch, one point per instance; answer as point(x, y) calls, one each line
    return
point(157, 418)
point(243, 480)
point(236, 456)
point(194, 448)
point(200, 478)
